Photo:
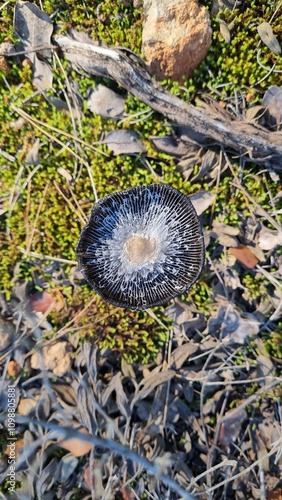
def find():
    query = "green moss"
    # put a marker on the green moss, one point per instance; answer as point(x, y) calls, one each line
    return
point(273, 342)
point(234, 66)
point(135, 335)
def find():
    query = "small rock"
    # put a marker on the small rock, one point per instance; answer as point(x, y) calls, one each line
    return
point(26, 405)
point(13, 368)
point(19, 444)
point(56, 358)
point(176, 36)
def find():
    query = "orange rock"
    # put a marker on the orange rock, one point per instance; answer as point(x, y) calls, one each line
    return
point(26, 405)
point(13, 368)
point(176, 36)
point(18, 445)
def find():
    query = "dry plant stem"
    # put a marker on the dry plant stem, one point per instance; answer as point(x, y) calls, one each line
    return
point(117, 448)
point(241, 136)
point(30, 234)
point(35, 121)
point(77, 213)
point(248, 469)
point(248, 401)
point(46, 257)
point(19, 111)
point(72, 96)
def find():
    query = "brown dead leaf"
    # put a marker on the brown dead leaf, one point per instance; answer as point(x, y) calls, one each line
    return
point(274, 494)
point(230, 426)
point(42, 301)
point(93, 479)
point(77, 446)
point(245, 256)
point(127, 494)
point(4, 65)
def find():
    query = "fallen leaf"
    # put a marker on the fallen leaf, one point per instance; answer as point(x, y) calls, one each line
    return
point(221, 228)
point(124, 142)
point(245, 256)
point(232, 326)
point(255, 113)
point(105, 102)
point(272, 100)
point(202, 200)
point(19, 444)
point(127, 494)
point(46, 478)
point(150, 383)
point(66, 468)
point(77, 446)
point(230, 426)
point(64, 173)
point(34, 28)
point(274, 494)
point(267, 36)
point(42, 301)
point(7, 332)
point(181, 354)
point(264, 368)
point(224, 31)
point(32, 155)
point(93, 479)
point(66, 393)
point(169, 145)
point(268, 239)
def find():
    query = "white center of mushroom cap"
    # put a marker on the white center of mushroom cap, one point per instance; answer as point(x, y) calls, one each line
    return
point(139, 249)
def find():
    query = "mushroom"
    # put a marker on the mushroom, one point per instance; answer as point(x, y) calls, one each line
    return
point(142, 246)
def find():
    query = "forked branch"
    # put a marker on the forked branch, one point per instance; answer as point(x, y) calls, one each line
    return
point(220, 127)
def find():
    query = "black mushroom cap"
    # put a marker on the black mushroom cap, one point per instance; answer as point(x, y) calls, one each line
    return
point(142, 246)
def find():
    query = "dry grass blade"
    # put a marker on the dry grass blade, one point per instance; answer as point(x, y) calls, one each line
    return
point(150, 383)
point(35, 121)
point(53, 138)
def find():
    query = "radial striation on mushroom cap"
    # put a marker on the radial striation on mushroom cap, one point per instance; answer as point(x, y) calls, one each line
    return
point(142, 246)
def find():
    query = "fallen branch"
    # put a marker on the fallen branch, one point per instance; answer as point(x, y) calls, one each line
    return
point(245, 138)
